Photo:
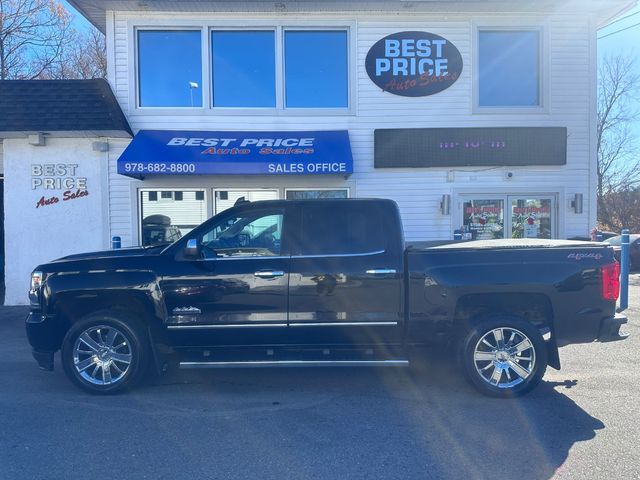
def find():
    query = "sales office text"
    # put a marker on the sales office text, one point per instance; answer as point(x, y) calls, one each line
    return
point(329, 167)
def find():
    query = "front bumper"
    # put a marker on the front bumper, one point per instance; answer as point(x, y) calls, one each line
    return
point(44, 359)
point(44, 338)
point(610, 328)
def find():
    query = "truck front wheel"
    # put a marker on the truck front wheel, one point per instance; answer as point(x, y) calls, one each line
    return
point(105, 352)
point(504, 356)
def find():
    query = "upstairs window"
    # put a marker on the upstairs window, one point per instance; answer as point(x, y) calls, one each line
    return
point(276, 68)
point(316, 69)
point(509, 68)
point(244, 68)
point(169, 68)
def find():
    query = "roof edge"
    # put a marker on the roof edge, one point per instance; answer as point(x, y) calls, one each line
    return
point(67, 134)
point(86, 15)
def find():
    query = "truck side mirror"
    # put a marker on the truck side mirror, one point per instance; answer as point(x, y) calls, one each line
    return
point(192, 250)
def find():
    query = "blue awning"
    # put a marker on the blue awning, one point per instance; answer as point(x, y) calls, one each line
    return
point(173, 152)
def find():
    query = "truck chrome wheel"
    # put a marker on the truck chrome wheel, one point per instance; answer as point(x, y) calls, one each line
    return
point(504, 357)
point(102, 355)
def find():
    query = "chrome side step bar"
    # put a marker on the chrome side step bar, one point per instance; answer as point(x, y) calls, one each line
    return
point(297, 363)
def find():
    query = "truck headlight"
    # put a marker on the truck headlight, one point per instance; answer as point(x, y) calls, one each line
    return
point(36, 281)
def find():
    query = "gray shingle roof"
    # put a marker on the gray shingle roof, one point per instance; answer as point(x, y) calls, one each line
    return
point(60, 106)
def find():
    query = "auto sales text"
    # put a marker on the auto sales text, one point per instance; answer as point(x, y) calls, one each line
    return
point(66, 196)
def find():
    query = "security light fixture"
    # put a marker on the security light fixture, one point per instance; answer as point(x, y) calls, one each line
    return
point(37, 140)
point(577, 202)
point(100, 146)
point(445, 204)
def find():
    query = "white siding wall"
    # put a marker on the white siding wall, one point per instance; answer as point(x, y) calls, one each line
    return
point(569, 66)
point(40, 234)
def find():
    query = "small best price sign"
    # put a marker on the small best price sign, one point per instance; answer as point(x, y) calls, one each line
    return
point(413, 64)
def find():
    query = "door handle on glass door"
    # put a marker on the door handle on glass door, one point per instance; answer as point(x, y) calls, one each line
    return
point(269, 273)
point(381, 271)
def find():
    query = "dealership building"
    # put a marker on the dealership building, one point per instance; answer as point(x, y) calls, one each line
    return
point(477, 117)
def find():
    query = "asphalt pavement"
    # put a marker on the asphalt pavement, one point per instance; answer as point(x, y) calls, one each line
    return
point(583, 422)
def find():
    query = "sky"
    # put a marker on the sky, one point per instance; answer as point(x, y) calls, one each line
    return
point(623, 42)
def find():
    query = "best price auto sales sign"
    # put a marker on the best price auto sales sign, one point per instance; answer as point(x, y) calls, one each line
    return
point(413, 64)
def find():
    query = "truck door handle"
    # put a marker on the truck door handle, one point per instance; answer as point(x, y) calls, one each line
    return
point(269, 273)
point(381, 271)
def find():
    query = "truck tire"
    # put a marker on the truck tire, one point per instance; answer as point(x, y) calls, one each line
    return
point(105, 352)
point(504, 356)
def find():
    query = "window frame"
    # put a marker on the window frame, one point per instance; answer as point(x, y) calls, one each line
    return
point(139, 210)
point(558, 194)
point(543, 66)
point(295, 189)
point(215, 190)
point(211, 86)
point(134, 77)
point(206, 27)
point(283, 86)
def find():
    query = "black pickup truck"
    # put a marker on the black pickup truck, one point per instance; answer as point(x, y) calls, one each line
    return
point(321, 283)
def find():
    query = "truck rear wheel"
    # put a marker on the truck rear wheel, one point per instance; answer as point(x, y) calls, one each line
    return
point(105, 352)
point(504, 356)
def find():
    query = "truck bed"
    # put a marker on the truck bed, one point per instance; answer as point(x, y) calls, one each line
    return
point(555, 280)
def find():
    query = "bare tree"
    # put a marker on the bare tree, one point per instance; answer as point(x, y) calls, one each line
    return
point(32, 36)
point(623, 207)
point(618, 158)
point(84, 55)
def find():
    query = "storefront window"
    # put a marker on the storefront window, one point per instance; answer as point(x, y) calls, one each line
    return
point(316, 69)
point(169, 68)
point(313, 194)
point(530, 218)
point(509, 68)
point(483, 219)
point(244, 68)
point(168, 215)
point(225, 199)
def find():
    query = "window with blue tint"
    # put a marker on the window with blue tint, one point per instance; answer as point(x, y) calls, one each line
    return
point(169, 68)
point(509, 68)
point(316, 69)
point(244, 68)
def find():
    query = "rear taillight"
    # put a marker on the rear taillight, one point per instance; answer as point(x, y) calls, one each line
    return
point(611, 281)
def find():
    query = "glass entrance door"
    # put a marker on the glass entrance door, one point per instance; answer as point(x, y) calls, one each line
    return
point(488, 217)
point(531, 217)
point(483, 218)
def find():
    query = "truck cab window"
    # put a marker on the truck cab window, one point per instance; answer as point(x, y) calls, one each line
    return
point(254, 234)
point(351, 229)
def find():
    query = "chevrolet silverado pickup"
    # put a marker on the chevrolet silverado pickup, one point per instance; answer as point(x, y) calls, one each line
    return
point(321, 283)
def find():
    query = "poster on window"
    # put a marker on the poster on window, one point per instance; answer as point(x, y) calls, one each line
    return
point(484, 219)
point(531, 218)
